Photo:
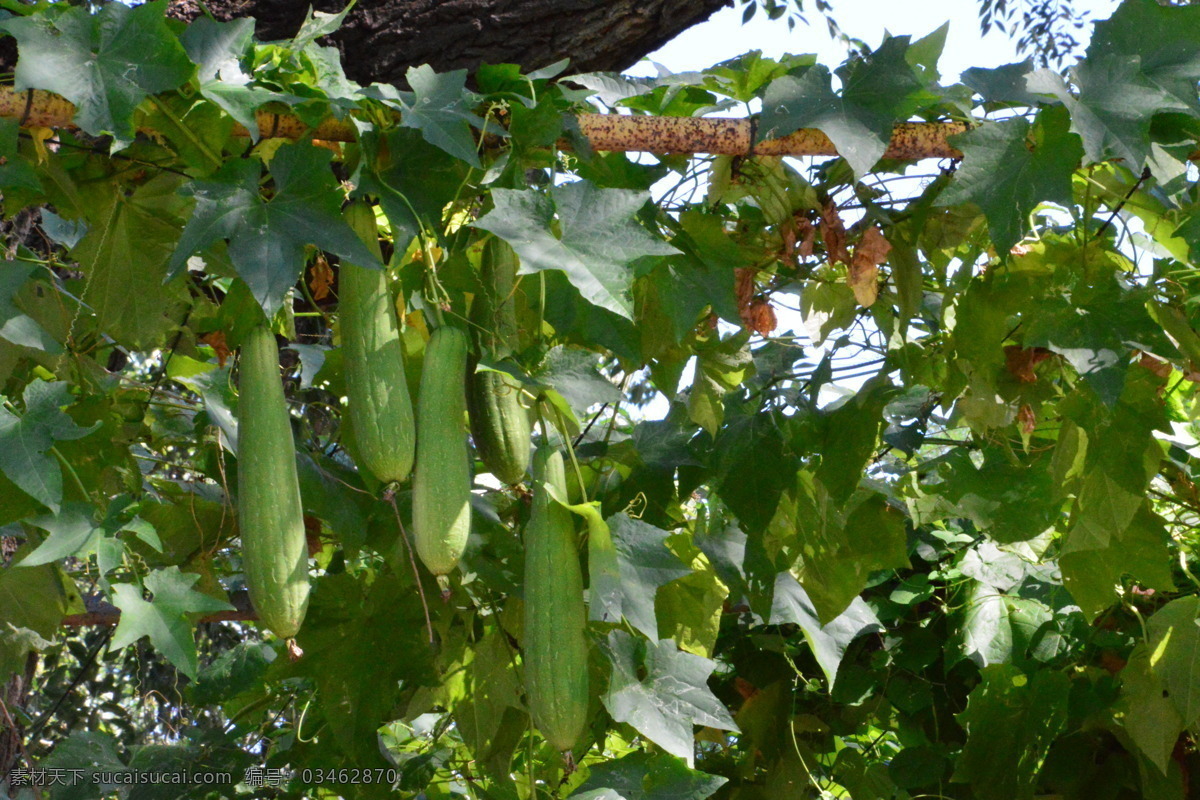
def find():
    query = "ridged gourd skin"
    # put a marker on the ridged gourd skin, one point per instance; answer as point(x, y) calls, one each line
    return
point(270, 516)
point(442, 478)
point(380, 409)
point(555, 652)
point(500, 423)
point(495, 310)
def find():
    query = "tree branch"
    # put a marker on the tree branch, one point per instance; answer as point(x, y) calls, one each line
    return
point(380, 39)
point(611, 132)
point(101, 612)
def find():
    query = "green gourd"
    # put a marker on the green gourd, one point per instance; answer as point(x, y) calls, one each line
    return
point(270, 517)
point(500, 422)
point(380, 409)
point(555, 652)
point(442, 479)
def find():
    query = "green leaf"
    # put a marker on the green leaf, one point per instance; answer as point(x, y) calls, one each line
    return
point(106, 63)
point(997, 628)
point(1116, 103)
point(721, 366)
point(1011, 720)
point(188, 762)
point(1162, 38)
point(1113, 490)
point(1149, 713)
point(925, 53)
point(190, 525)
point(1070, 457)
point(267, 237)
point(600, 237)
point(328, 492)
point(1173, 322)
point(16, 643)
point(1010, 167)
point(125, 258)
point(16, 172)
point(724, 545)
point(671, 696)
point(1140, 549)
point(743, 77)
point(440, 108)
point(578, 322)
point(217, 49)
point(827, 307)
point(991, 495)
point(66, 232)
point(644, 564)
point(689, 610)
point(869, 781)
point(1001, 568)
point(90, 752)
point(914, 767)
point(25, 441)
point(713, 256)
point(851, 434)
point(876, 91)
point(237, 670)
point(906, 274)
point(645, 776)
point(1175, 654)
point(753, 469)
point(611, 88)
point(33, 602)
point(1095, 330)
point(605, 596)
point(790, 603)
point(575, 374)
point(839, 548)
point(1140, 62)
point(413, 179)
point(985, 310)
point(317, 24)
point(678, 292)
point(1003, 84)
point(489, 687)
point(15, 325)
point(164, 619)
point(1147, 201)
point(351, 621)
point(72, 531)
point(627, 563)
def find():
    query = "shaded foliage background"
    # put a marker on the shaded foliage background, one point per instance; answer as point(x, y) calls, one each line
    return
point(896, 459)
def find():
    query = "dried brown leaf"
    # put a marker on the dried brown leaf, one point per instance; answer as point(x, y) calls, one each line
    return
point(833, 234)
point(744, 287)
point(312, 535)
point(1157, 366)
point(808, 236)
point(760, 317)
point(788, 251)
point(756, 312)
point(320, 279)
point(1021, 361)
point(863, 277)
point(216, 340)
point(1026, 419)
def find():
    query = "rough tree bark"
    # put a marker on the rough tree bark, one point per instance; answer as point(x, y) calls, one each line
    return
point(14, 694)
point(381, 39)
